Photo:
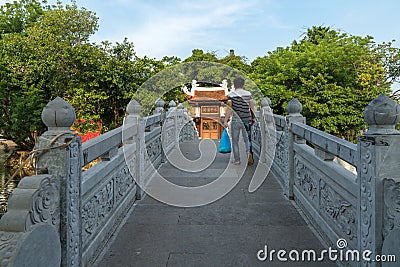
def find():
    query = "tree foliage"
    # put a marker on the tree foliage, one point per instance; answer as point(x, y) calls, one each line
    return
point(52, 56)
point(45, 51)
point(334, 76)
point(15, 17)
point(390, 57)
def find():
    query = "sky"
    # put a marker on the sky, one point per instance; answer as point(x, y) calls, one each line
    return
point(250, 27)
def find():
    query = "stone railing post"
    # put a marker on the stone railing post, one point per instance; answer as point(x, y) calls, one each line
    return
point(267, 131)
point(294, 109)
point(379, 180)
point(134, 121)
point(160, 110)
point(189, 129)
point(180, 123)
point(172, 114)
point(171, 105)
point(64, 162)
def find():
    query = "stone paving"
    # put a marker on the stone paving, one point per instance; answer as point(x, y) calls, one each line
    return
point(228, 232)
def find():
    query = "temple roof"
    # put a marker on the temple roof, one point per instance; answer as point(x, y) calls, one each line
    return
point(216, 94)
point(198, 93)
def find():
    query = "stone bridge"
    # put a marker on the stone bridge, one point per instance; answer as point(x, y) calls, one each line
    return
point(89, 204)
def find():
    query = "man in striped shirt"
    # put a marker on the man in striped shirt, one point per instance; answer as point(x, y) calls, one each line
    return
point(241, 109)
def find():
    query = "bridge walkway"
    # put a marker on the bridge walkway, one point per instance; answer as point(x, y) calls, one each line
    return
point(228, 232)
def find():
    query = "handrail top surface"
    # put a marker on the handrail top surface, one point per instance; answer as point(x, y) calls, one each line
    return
point(330, 143)
point(152, 119)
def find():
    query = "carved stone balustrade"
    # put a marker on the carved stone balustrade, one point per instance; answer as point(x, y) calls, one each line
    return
point(67, 216)
point(73, 213)
point(362, 208)
point(29, 230)
point(379, 179)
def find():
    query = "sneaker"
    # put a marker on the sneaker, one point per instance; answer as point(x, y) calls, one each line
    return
point(236, 162)
point(250, 160)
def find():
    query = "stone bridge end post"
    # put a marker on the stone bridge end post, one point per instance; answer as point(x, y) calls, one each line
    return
point(133, 119)
point(160, 110)
point(294, 108)
point(62, 157)
point(173, 114)
point(266, 124)
point(180, 122)
point(378, 175)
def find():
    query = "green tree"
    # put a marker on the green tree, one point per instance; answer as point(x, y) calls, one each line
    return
point(121, 75)
point(334, 76)
point(238, 66)
point(390, 57)
point(52, 56)
point(45, 60)
point(199, 55)
point(235, 61)
point(15, 17)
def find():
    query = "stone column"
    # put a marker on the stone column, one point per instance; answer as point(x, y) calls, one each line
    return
point(294, 108)
point(133, 122)
point(267, 131)
point(65, 163)
point(172, 114)
point(180, 123)
point(189, 128)
point(379, 180)
point(160, 110)
point(171, 105)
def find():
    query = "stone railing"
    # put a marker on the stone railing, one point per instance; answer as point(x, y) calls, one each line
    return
point(29, 231)
point(263, 133)
point(361, 208)
point(67, 215)
point(75, 212)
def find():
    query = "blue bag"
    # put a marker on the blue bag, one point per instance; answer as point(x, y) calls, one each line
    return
point(225, 143)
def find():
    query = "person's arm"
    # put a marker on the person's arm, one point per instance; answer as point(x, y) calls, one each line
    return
point(253, 115)
point(228, 113)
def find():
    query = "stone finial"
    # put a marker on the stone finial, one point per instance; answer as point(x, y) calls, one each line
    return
point(58, 115)
point(294, 107)
point(180, 106)
point(159, 106)
point(266, 102)
point(172, 104)
point(382, 115)
point(133, 107)
point(159, 103)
